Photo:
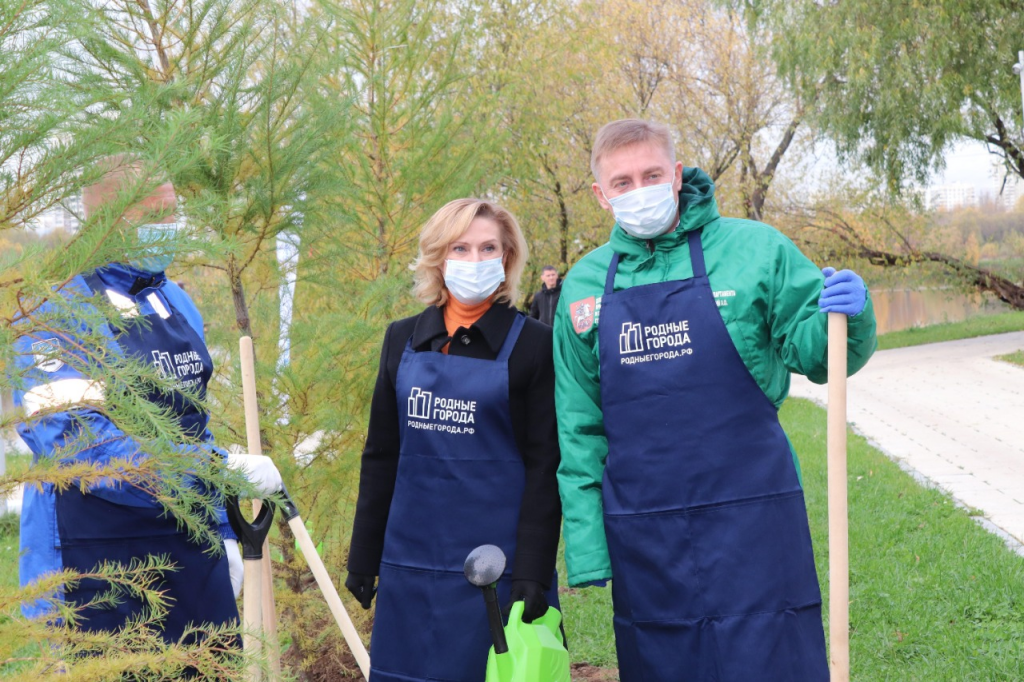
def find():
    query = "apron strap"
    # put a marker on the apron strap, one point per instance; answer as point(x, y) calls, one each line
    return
point(94, 282)
point(609, 282)
point(697, 253)
point(510, 340)
point(696, 259)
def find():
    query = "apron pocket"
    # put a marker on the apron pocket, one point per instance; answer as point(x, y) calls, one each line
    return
point(443, 509)
point(755, 556)
point(198, 590)
point(654, 569)
point(786, 646)
point(430, 625)
point(667, 652)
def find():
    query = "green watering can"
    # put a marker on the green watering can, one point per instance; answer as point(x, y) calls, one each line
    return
point(522, 652)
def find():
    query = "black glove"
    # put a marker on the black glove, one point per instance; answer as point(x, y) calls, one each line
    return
point(532, 592)
point(361, 587)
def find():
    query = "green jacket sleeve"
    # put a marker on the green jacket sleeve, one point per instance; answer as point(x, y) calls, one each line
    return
point(584, 448)
point(799, 329)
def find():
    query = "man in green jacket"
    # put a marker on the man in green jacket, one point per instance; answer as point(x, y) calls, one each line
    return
point(674, 344)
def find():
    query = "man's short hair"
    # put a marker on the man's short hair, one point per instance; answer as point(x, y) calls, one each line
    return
point(118, 173)
point(628, 132)
point(547, 268)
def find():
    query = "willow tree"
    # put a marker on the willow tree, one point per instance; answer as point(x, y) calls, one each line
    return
point(899, 83)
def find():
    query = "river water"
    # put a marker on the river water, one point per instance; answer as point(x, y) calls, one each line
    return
point(897, 309)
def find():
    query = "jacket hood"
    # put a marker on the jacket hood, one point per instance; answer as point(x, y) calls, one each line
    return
point(697, 208)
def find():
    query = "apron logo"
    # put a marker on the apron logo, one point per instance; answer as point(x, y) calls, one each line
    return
point(582, 313)
point(186, 367)
point(631, 340)
point(419, 403)
point(162, 361)
point(43, 353)
point(666, 341)
point(440, 414)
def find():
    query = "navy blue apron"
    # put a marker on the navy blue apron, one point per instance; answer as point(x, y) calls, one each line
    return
point(714, 577)
point(460, 485)
point(94, 529)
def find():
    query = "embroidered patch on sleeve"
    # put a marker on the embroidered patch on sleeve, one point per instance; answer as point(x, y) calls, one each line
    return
point(582, 313)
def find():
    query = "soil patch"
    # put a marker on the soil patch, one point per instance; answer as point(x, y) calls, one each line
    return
point(584, 672)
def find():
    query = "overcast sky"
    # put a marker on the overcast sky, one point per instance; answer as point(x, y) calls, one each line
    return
point(971, 163)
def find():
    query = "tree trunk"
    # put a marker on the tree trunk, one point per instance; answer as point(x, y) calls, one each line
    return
point(563, 226)
point(980, 279)
point(762, 180)
point(242, 320)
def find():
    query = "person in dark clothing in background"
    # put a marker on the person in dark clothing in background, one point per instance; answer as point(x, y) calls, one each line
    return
point(461, 451)
point(546, 300)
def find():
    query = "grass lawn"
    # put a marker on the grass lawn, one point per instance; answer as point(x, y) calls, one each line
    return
point(9, 550)
point(1016, 358)
point(982, 325)
point(9, 528)
point(933, 595)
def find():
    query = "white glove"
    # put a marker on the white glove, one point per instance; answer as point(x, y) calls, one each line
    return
point(259, 470)
point(235, 565)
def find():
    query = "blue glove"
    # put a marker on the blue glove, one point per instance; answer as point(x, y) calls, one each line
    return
point(595, 583)
point(844, 292)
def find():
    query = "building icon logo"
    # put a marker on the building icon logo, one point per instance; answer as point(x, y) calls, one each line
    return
point(45, 354)
point(419, 403)
point(163, 363)
point(631, 340)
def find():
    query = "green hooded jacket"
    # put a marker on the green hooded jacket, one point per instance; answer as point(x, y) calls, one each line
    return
point(767, 292)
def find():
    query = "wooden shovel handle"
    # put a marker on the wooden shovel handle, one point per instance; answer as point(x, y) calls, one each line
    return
point(252, 618)
point(252, 433)
point(316, 565)
point(838, 519)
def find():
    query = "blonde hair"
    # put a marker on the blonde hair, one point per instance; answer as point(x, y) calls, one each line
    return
point(628, 132)
point(448, 225)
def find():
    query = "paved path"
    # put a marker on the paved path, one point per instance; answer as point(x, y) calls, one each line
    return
point(953, 415)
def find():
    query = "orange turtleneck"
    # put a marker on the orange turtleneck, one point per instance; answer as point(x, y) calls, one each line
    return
point(458, 314)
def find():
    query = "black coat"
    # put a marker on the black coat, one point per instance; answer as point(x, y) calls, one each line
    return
point(532, 404)
point(545, 302)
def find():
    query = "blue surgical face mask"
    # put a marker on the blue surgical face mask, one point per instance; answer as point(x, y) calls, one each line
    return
point(647, 212)
point(472, 282)
point(158, 245)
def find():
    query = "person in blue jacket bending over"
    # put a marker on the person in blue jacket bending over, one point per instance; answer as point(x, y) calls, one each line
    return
point(115, 522)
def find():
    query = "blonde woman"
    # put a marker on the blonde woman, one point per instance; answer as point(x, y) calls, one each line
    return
point(462, 450)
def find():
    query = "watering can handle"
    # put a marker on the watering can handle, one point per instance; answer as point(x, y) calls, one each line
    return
point(494, 619)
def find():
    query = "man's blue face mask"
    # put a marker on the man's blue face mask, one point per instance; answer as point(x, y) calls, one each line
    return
point(159, 242)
